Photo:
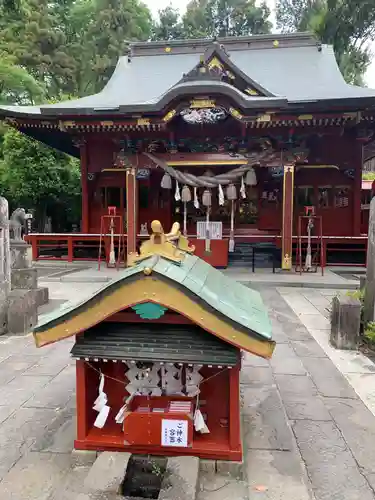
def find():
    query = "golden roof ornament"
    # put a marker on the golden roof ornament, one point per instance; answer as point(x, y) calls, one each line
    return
point(172, 246)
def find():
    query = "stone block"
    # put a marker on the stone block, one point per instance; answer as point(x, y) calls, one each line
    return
point(221, 487)
point(107, 473)
point(181, 481)
point(345, 322)
point(82, 458)
point(3, 308)
point(20, 255)
point(41, 296)
point(26, 279)
point(362, 282)
point(208, 466)
point(233, 469)
point(22, 311)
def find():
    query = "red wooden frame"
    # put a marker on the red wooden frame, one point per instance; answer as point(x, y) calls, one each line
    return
point(219, 398)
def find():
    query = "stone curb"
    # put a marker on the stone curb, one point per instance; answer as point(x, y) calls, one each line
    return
point(107, 473)
point(303, 284)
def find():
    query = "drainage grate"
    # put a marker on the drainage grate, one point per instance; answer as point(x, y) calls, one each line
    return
point(144, 477)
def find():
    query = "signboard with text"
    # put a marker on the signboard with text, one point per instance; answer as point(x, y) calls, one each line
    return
point(174, 433)
point(215, 230)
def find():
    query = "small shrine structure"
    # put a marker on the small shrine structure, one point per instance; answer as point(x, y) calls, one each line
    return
point(158, 354)
point(233, 138)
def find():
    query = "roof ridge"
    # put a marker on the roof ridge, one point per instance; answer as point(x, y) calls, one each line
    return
point(284, 40)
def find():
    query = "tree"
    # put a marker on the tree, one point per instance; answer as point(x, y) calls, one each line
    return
point(219, 18)
point(34, 37)
point(168, 26)
point(114, 24)
point(36, 177)
point(16, 84)
point(348, 27)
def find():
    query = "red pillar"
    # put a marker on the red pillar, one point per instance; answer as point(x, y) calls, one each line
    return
point(234, 411)
point(81, 396)
point(358, 164)
point(287, 227)
point(131, 209)
point(85, 188)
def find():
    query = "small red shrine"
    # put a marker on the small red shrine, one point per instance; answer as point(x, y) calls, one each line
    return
point(158, 354)
point(233, 138)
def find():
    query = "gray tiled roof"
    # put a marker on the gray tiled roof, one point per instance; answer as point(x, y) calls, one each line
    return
point(298, 70)
point(154, 342)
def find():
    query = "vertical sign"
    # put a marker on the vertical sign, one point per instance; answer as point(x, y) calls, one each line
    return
point(174, 433)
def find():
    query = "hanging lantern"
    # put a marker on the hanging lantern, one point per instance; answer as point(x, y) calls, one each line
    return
point(206, 198)
point(231, 192)
point(166, 182)
point(185, 194)
point(251, 178)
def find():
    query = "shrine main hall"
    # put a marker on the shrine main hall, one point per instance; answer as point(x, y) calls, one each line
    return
point(243, 140)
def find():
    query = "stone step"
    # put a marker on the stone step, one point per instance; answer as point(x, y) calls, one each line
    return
point(105, 478)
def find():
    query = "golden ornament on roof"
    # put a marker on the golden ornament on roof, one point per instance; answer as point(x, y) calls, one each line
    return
point(172, 246)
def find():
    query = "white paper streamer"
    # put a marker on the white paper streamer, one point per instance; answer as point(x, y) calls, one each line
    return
point(100, 405)
point(199, 423)
point(120, 417)
point(196, 201)
point(177, 195)
point(243, 188)
point(221, 196)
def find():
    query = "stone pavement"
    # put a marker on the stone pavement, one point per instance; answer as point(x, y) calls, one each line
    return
point(307, 432)
point(88, 273)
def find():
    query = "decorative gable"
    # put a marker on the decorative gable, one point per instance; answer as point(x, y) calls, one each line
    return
point(215, 64)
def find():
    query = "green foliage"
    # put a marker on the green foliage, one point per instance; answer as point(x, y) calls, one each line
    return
point(39, 178)
point(359, 295)
point(168, 26)
point(219, 18)
point(111, 26)
point(16, 84)
point(368, 176)
point(213, 18)
point(369, 332)
point(348, 27)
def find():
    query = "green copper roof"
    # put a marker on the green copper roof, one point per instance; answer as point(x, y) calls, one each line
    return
point(240, 304)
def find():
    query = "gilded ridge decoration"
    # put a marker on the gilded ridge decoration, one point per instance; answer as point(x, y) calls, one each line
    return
point(172, 246)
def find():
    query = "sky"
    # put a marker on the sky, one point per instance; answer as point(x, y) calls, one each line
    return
point(156, 5)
